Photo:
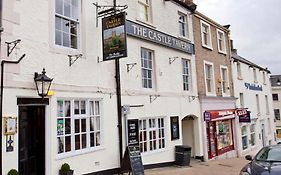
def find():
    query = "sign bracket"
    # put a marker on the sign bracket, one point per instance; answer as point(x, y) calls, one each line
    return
point(130, 66)
point(73, 58)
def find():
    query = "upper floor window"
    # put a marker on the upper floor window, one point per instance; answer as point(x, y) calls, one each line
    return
point(206, 35)
point(224, 80)
point(146, 66)
point(144, 10)
point(266, 104)
point(277, 114)
point(239, 72)
point(275, 97)
point(183, 25)
point(67, 21)
point(221, 41)
point(258, 103)
point(209, 78)
point(255, 75)
point(263, 77)
point(241, 97)
point(78, 125)
point(151, 134)
point(186, 74)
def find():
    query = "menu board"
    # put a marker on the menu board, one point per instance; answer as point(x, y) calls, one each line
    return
point(132, 161)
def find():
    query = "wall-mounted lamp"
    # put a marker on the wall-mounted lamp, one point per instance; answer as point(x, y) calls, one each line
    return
point(43, 83)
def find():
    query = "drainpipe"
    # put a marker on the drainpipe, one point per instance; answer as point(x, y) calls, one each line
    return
point(1, 99)
point(1, 30)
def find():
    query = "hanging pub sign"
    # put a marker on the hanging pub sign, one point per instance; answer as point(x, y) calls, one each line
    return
point(114, 37)
point(244, 115)
point(133, 132)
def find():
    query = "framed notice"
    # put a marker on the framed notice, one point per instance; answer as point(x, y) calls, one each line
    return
point(174, 120)
point(10, 125)
point(114, 37)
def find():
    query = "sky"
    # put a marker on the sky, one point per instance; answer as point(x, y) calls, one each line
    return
point(255, 28)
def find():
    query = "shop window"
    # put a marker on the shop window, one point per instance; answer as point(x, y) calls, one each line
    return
point(186, 74)
point(277, 114)
point(78, 125)
point(244, 137)
point(67, 21)
point(224, 136)
point(151, 134)
point(253, 134)
point(278, 132)
point(147, 68)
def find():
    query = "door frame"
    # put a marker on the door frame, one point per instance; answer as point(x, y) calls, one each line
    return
point(40, 102)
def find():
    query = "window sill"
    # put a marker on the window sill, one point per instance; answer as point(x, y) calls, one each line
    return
point(149, 153)
point(184, 38)
point(78, 153)
point(64, 50)
point(239, 78)
point(222, 52)
point(207, 47)
point(147, 23)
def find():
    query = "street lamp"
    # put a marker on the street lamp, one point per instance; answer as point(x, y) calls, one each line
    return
point(43, 83)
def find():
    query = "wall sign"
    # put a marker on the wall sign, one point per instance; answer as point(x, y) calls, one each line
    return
point(10, 125)
point(254, 87)
point(174, 127)
point(207, 116)
point(244, 115)
point(133, 132)
point(158, 37)
point(114, 37)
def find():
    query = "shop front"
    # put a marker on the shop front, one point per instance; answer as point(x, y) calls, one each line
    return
point(219, 130)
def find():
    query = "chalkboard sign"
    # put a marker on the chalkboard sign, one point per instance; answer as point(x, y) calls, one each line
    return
point(132, 161)
point(133, 132)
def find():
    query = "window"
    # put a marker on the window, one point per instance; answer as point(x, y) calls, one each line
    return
point(266, 104)
point(206, 35)
point(144, 10)
point(186, 74)
point(258, 103)
point(244, 137)
point(277, 114)
point(221, 41)
point(224, 135)
point(67, 23)
point(224, 80)
point(183, 25)
point(151, 134)
point(252, 134)
point(255, 75)
point(209, 80)
point(78, 125)
point(146, 66)
point(239, 73)
point(264, 77)
point(241, 97)
point(275, 97)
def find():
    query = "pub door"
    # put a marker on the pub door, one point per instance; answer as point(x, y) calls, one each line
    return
point(32, 140)
point(212, 139)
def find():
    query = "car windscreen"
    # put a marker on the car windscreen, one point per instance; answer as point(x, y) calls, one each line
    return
point(270, 154)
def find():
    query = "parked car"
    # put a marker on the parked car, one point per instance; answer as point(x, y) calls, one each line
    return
point(266, 162)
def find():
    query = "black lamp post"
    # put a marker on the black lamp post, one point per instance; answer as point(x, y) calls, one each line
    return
point(43, 83)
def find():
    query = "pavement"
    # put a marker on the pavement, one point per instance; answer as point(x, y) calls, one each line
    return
point(229, 166)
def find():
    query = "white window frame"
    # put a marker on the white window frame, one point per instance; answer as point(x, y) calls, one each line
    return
point(147, 69)
point(208, 35)
point(61, 47)
point(255, 75)
point(184, 24)
point(186, 75)
point(222, 41)
point(264, 78)
point(239, 71)
point(253, 133)
point(212, 79)
point(258, 104)
point(146, 4)
point(159, 131)
point(244, 135)
point(81, 116)
point(241, 99)
point(266, 104)
point(226, 81)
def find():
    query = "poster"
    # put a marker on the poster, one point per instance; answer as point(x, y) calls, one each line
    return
point(174, 127)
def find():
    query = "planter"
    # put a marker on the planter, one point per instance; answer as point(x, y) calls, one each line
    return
point(70, 172)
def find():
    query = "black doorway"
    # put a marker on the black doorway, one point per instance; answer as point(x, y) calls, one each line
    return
point(32, 140)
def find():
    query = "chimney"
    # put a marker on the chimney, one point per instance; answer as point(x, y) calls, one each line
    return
point(188, 2)
point(233, 51)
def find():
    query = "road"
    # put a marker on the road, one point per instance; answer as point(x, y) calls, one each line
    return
point(213, 167)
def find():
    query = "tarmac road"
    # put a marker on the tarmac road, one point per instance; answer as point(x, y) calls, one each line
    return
point(213, 167)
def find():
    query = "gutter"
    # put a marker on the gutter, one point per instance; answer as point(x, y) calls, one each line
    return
point(1, 30)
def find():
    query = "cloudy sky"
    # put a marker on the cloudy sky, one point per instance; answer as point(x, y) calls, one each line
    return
point(255, 28)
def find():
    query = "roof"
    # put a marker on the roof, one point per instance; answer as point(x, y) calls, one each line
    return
point(192, 7)
point(238, 58)
point(274, 79)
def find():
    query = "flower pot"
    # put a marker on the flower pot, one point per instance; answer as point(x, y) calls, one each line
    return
point(70, 172)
